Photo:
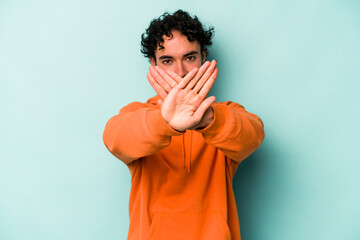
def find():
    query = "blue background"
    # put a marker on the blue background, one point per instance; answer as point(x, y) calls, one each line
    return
point(67, 66)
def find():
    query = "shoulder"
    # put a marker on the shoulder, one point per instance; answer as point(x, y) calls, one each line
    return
point(150, 103)
point(228, 104)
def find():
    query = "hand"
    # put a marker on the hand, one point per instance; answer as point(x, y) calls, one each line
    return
point(185, 106)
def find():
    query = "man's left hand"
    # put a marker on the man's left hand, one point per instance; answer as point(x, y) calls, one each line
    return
point(163, 83)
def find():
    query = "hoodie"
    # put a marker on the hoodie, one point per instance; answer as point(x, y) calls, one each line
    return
point(181, 182)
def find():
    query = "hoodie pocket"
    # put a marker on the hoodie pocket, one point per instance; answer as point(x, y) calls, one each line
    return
point(189, 226)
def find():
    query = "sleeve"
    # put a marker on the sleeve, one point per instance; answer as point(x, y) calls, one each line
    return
point(235, 131)
point(138, 130)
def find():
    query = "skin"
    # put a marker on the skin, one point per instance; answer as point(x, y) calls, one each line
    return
point(182, 78)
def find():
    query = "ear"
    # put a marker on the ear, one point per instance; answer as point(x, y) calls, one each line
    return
point(203, 55)
point(152, 61)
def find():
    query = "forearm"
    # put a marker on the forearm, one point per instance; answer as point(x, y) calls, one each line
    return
point(137, 133)
point(235, 131)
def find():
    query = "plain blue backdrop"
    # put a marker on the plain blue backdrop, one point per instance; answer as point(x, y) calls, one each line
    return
point(67, 66)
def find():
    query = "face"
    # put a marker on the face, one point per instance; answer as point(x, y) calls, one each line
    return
point(179, 54)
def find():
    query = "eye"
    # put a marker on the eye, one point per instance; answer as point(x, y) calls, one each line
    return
point(191, 58)
point(166, 61)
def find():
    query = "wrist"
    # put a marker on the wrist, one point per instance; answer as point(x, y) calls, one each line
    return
point(207, 119)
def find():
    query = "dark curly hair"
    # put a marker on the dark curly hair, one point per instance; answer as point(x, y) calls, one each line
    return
point(181, 21)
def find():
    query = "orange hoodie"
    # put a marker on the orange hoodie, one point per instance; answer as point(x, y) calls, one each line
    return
point(181, 183)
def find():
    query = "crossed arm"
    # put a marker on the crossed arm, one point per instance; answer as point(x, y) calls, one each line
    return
point(184, 104)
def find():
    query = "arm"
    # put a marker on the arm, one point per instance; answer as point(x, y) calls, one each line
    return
point(235, 131)
point(138, 130)
point(227, 126)
point(143, 129)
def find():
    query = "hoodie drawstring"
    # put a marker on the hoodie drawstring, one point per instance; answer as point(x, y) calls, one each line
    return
point(183, 147)
point(188, 164)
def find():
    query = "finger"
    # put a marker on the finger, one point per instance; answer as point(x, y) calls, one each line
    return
point(187, 78)
point(174, 76)
point(172, 83)
point(199, 113)
point(159, 79)
point(158, 89)
point(205, 77)
point(209, 83)
point(198, 76)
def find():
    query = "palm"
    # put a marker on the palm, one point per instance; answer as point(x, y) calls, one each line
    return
point(180, 107)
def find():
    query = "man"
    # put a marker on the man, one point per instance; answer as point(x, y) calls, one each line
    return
point(182, 148)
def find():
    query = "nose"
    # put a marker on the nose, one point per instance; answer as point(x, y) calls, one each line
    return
point(180, 69)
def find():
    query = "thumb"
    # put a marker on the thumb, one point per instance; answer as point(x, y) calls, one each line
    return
point(199, 113)
point(160, 101)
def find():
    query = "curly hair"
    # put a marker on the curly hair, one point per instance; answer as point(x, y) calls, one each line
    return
point(181, 21)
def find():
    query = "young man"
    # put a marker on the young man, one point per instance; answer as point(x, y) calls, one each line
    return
point(182, 148)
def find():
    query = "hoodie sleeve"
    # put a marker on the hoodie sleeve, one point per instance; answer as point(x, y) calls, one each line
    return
point(235, 131)
point(138, 130)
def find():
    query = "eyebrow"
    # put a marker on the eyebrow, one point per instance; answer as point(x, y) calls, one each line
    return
point(185, 55)
point(191, 53)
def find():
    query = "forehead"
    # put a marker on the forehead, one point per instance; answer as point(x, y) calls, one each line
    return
point(177, 46)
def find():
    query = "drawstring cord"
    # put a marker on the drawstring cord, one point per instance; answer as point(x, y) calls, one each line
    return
point(188, 165)
point(183, 147)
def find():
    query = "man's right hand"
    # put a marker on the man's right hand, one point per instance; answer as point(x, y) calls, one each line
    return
point(185, 101)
